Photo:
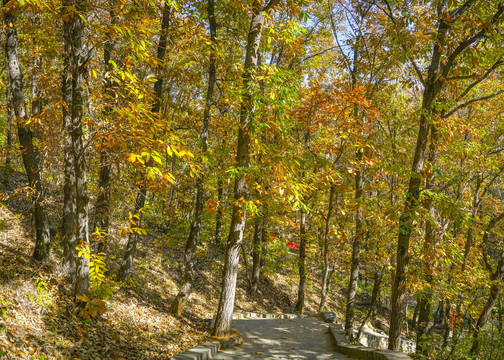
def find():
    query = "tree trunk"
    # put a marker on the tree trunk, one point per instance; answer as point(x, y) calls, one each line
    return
point(69, 190)
point(301, 264)
point(8, 107)
point(219, 214)
point(264, 236)
point(256, 256)
point(30, 154)
point(328, 266)
point(102, 207)
point(356, 247)
point(374, 299)
point(406, 221)
point(495, 288)
point(499, 304)
point(192, 241)
point(415, 315)
point(447, 323)
point(77, 69)
point(425, 299)
point(484, 316)
point(235, 238)
point(131, 246)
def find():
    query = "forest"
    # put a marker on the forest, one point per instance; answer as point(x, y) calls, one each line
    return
point(166, 162)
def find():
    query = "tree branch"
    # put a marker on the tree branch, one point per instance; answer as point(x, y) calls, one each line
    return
point(461, 106)
point(410, 58)
point(455, 14)
point(319, 53)
point(485, 75)
point(490, 226)
point(468, 42)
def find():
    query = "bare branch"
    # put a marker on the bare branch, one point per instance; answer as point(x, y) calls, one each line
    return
point(466, 104)
point(485, 75)
point(496, 150)
point(335, 34)
point(318, 54)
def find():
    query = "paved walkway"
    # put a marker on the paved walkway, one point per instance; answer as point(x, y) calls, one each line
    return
point(302, 338)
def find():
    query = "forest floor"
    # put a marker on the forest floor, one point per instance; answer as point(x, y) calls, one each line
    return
point(39, 318)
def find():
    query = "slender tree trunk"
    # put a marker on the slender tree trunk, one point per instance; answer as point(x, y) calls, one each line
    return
point(8, 107)
point(69, 189)
point(415, 315)
point(425, 299)
point(406, 221)
point(76, 25)
point(131, 246)
point(378, 276)
point(235, 238)
point(256, 255)
point(328, 266)
point(495, 288)
point(484, 316)
point(192, 241)
point(219, 214)
point(301, 264)
point(356, 247)
point(102, 207)
point(30, 154)
point(447, 323)
point(264, 235)
point(499, 304)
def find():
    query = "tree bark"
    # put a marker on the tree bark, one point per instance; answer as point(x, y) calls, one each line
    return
point(301, 264)
point(256, 256)
point(356, 247)
point(8, 139)
point(425, 299)
point(235, 238)
point(406, 221)
point(495, 288)
point(75, 26)
point(131, 246)
point(69, 190)
point(378, 276)
point(102, 207)
point(328, 267)
point(29, 152)
point(219, 214)
point(192, 241)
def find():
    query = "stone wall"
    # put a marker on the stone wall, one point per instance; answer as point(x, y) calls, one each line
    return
point(361, 352)
point(376, 340)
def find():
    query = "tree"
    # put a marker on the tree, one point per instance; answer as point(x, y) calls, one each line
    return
point(131, 246)
point(235, 238)
point(75, 25)
point(192, 241)
point(29, 152)
point(447, 52)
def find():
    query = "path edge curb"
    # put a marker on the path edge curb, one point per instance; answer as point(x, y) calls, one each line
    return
point(361, 352)
point(209, 349)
